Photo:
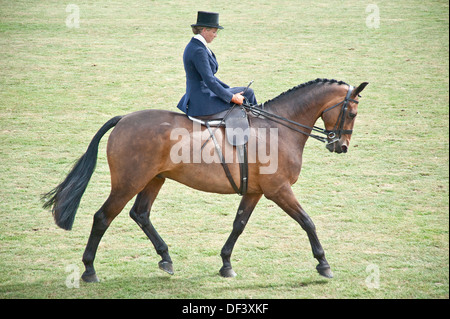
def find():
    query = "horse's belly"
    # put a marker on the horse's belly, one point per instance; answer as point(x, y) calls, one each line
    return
point(205, 177)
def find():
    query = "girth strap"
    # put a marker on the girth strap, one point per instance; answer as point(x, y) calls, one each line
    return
point(243, 167)
point(243, 164)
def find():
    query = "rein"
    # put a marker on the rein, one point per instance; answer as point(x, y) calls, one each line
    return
point(331, 136)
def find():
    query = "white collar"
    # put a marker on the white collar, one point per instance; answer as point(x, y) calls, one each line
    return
point(200, 38)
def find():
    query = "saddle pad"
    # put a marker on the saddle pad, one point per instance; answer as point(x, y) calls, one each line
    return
point(202, 122)
point(237, 128)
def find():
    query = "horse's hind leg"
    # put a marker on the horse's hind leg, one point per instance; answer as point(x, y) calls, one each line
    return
point(140, 213)
point(102, 219)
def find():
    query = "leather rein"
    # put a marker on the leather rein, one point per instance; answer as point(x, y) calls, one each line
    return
point(332, 136)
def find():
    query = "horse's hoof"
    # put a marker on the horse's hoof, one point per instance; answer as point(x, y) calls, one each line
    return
point(89, 278)
point(166, 266)
point(227, 272)
point(324, 271)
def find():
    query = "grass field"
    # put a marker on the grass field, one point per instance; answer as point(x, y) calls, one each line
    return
point(381, 210)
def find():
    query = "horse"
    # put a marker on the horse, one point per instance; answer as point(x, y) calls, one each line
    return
point(143, 151)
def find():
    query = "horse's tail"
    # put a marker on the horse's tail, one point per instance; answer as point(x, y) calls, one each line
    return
point(65, 198)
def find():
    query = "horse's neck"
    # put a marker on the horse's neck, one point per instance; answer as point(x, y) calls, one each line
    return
point(300, 107)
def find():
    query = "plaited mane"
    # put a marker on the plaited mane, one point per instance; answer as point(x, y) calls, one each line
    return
point(306, 84)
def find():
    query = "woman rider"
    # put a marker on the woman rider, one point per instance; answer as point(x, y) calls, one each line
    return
point(206, 96)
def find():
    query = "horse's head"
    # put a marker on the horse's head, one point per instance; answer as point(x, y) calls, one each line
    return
point(339, 118)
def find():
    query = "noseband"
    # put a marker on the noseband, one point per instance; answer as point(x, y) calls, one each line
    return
point(332, 136)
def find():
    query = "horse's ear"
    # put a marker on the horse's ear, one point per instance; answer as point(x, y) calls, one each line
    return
point(359, 89)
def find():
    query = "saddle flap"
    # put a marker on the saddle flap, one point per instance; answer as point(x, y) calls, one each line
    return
point(237, 128)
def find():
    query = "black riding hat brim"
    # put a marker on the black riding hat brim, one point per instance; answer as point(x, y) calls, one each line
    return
point(207, 25)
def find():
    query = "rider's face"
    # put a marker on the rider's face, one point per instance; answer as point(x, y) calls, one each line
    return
point(209, 34)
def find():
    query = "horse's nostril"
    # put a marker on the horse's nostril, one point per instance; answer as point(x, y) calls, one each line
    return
point(344, 148)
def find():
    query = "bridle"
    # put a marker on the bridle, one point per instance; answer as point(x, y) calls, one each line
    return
point(338, 130)
point(332, 136)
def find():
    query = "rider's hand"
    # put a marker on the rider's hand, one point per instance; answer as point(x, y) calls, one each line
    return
point(238, 98)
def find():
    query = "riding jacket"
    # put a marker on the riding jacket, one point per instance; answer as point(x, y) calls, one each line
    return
point(205, 93)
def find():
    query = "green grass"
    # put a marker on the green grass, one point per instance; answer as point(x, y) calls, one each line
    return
point(384, 203)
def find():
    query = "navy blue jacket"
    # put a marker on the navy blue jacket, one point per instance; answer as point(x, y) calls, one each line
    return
point(205, 93)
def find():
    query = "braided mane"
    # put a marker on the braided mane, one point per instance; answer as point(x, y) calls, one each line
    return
point(316, 81)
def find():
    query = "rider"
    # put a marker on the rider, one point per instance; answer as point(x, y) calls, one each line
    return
point(205, 94)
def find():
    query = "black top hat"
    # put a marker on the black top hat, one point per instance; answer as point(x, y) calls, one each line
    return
point(207, 19)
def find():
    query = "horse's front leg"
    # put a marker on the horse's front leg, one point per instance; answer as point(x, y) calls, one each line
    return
point(285, 198)
point(248, 203)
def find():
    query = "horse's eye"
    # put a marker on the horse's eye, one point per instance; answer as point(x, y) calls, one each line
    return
point(352, 115)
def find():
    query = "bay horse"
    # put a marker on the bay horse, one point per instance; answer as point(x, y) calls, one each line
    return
point(139, 153)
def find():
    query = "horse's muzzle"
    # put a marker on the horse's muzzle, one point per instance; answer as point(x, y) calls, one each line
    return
point(337, 147)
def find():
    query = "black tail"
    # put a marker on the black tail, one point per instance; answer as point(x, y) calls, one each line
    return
point(65, 198)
